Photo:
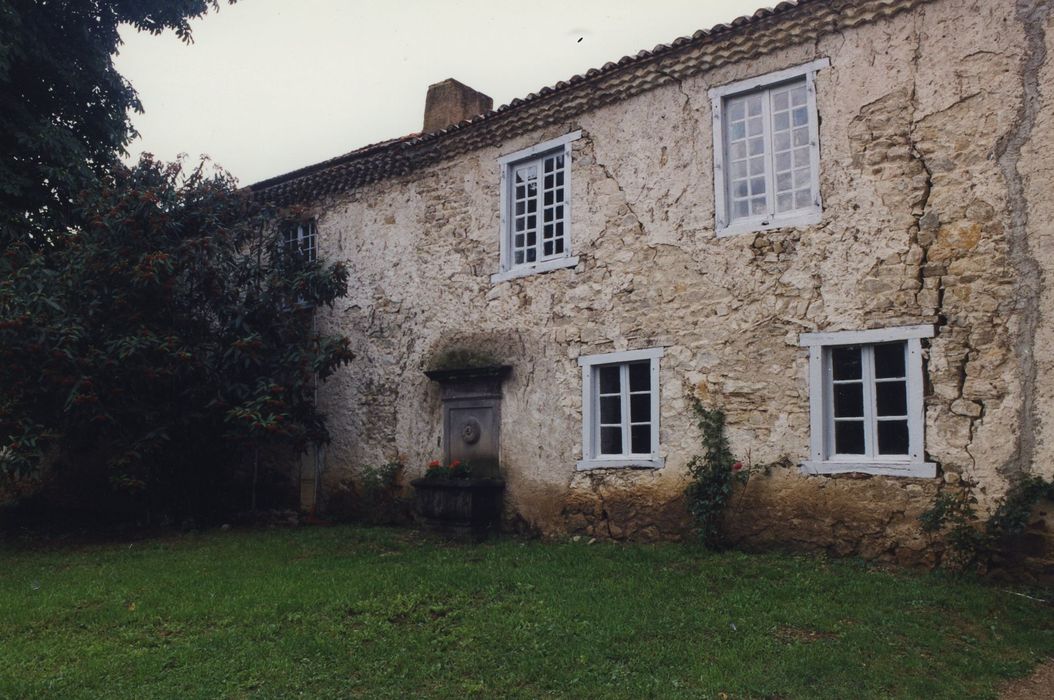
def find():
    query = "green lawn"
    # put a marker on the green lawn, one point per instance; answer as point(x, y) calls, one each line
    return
point(355, 612)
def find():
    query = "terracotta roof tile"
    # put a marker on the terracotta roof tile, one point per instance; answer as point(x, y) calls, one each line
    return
point(766, 30)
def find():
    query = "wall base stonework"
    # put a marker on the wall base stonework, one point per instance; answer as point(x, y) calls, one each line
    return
point(609, 506)
point(873, 518)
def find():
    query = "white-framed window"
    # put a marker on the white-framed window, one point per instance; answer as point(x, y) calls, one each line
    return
point(536, 209)
point(767, 151)
point(300, 238)
point(620, 410)
point(866, 402)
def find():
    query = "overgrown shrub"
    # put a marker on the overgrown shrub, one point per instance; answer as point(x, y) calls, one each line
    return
point(975, 542)
point(375, 496)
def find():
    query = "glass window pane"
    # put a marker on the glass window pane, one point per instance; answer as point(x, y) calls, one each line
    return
point(893, 437)
point(640, 408)
point(849, 437)
point(891, 398)
point(611, 441)
point(889, 360)
point(640, 376)
point(845, 362)
point(609, 379)
point(640, 436)
point(849, 400)
point(611, 410)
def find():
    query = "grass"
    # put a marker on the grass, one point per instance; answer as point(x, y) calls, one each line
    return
point(356, 612)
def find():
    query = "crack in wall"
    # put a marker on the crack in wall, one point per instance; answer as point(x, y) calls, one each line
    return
point(1033, 16)
point(618, 185)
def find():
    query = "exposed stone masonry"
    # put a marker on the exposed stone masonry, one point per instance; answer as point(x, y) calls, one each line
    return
point(935, 211)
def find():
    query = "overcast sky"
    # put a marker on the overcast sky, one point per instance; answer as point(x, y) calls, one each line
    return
point(272, 85)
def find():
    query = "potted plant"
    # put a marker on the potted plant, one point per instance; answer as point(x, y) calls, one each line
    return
point(451, 498)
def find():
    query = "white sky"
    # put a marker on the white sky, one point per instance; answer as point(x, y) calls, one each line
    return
point(272, 85)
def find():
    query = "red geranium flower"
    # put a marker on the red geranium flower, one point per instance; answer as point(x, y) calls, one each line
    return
point(737, 466)
point(455, 463)
point(434, 464)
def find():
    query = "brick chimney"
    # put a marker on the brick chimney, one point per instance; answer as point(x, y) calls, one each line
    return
point(450, 102)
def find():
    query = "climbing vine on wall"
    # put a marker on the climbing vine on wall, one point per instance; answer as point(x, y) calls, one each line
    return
point(712, 474)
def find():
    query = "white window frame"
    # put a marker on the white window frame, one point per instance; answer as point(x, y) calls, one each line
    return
point(591, 459)
point(298, 234)
point(771, 220)
point(507, 163)
point(821, 460)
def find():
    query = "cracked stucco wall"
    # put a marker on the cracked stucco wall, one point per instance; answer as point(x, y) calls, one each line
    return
point(935, 132)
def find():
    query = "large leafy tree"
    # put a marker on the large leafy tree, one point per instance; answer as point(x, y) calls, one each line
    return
point(64, 109)
point(165, 342)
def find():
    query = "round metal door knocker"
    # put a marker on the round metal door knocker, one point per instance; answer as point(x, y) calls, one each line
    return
point(470, 431)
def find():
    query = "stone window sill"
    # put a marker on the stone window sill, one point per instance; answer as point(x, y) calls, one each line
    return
point(619, 463)
point(799, 219)
point(917, 470)
point(534, 269)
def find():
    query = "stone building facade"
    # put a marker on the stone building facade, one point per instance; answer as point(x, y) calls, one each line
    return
point(858, 276)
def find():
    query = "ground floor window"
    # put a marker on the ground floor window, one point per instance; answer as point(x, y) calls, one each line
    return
point(620, 409)
point(866, 401)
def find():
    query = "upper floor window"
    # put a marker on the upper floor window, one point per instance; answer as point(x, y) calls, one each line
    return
point(620, 409)
point(536, 209)
point(301, 238)
point(866, 401)
point(767, 151)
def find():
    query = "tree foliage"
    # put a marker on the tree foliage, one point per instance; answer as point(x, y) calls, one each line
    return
point(64, 108)
point(166, 340)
